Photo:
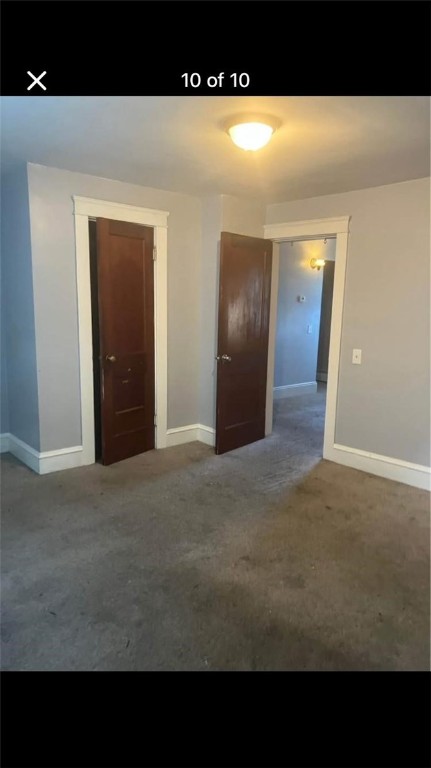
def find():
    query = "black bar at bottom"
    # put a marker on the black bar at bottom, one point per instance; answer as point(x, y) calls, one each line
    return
point(216, 719)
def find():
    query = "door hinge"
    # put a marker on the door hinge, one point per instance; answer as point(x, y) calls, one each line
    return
point(155, 420)
point(154, 254)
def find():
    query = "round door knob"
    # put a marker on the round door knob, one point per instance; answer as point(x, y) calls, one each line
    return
point(111, 358)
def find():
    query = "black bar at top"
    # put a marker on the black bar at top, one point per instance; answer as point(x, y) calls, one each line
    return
point(286, 48)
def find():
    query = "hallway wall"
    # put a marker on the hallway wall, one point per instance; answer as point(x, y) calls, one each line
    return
point(298, 323)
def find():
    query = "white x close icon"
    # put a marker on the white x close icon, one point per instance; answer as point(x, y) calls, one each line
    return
point(36, 81)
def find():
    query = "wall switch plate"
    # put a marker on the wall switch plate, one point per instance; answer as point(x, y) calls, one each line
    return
point(357, 357)
point(309, 328)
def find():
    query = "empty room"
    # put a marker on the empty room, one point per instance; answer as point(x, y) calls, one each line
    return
point(215, 383)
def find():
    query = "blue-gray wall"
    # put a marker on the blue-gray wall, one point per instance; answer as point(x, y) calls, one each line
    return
point(295, 348)
point(19, 375)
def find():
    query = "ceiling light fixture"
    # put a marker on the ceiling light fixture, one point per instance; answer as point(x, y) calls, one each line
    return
point(251, 132)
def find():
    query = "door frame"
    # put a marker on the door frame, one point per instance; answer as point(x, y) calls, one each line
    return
point(305, 230)
point(85, 208)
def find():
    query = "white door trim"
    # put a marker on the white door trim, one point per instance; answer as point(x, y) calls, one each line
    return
point(83, 209)
point(302, 230)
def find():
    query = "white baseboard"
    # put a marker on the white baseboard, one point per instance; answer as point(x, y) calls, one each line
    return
point(24, 453)
point(181, 435)
point(42, 462)
point(206, 435)
point(406, 472)
point(291, 390)
point(190, 433)
point(54, 461)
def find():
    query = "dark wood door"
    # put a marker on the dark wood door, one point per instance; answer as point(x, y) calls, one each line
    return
point(126, 316)
point(243, 324)
point(325, 321)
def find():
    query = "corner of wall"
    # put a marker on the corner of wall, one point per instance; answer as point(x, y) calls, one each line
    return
point(18, 321)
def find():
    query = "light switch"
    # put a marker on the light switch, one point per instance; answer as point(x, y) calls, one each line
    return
point(357, 357)
point(309, 328)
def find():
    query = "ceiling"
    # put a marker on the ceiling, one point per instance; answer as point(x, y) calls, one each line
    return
point(326, 144)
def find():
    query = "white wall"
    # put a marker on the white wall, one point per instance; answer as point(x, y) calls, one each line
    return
point(384, 404)
point(295, 348)
point(242, 216)
point(55, 296)
point(19, 371)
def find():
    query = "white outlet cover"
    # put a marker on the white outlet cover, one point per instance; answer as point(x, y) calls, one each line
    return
point(357, 357)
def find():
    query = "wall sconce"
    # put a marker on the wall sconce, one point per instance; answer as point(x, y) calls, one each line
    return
point(317, 263)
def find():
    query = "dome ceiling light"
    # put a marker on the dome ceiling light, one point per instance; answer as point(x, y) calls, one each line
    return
point(252, 132)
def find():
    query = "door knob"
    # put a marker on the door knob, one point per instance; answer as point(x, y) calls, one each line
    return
point(111, 358)
point(226, 358)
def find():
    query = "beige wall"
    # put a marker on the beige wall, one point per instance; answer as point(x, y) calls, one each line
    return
point(383, 405)
point(55, 296)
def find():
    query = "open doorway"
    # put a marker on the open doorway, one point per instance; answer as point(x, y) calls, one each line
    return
point(303, 327)
point(312, 230)
point(250, 303)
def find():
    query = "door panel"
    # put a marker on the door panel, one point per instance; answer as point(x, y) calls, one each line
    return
point(95, 332)
point(126, 309)
point(244, 296)
point(325, 320)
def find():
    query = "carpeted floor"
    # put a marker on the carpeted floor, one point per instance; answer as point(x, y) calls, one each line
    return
point(267, 558)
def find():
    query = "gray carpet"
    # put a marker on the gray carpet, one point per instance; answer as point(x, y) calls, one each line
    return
point(267, 558)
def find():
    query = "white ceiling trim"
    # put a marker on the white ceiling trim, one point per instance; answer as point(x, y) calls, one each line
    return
point(149, 217)
point(307, 228)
